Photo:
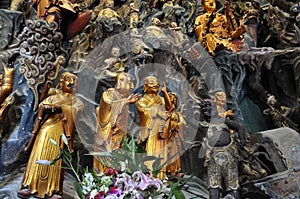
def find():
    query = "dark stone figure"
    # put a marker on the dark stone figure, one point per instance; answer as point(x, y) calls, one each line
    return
point(222, 154)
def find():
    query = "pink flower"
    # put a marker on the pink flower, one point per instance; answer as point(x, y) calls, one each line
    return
point(110, 171)
point(115, 191)
point(146, 181)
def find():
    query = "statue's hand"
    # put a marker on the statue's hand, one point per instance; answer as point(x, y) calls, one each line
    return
point(229, 113)
point(164, 89)
point(51, 107)
point(134, 98)
point(238, 32)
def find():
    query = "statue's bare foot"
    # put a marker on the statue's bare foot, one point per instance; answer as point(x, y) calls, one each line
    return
point(24, 193)
point(55, 196)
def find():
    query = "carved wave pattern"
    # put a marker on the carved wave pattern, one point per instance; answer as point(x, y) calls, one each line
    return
point(41, 53)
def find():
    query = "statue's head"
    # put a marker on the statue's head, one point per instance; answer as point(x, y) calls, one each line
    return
point(151, 85)
point(174, 25)
point(220, 98)
point(209, 5)
point(124, 84)
point(173, 98)
point(110, 4)
point(115, 51)
point(155, 21)
point(271, 100)
point(69, 82)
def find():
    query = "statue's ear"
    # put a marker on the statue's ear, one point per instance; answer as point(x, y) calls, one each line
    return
point(118, 85)
point(119, 81)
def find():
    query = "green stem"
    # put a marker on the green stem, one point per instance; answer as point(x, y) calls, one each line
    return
point(73, 169)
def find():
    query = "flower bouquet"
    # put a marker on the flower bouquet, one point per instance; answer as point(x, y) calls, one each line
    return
point(132, 180)
point(114, 184)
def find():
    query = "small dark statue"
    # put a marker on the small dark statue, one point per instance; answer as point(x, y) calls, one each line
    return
point(279, 114)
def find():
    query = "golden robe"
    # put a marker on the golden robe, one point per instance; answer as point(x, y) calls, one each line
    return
point(112, 116)
point(152, 119)
point(175, 141)
point(48, 179)
point(215, 35)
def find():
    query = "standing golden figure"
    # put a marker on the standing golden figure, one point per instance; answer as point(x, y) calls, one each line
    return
point(174, 135)
point(112, 116)
point(6, 87)
point(216, 31)
point(133, 15)
point(56, 115)
point(152, 110)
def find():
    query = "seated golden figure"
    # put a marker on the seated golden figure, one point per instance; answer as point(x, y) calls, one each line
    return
point(216, 31)
point(113, 65)
point(108, 11)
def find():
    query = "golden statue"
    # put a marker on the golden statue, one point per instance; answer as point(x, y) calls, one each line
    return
point(108, 11)
point(6, 87)
point(220, 102)
point(113, 65)
point(173, 133)
point(112, 116)
point(152, 111)
point(133, 15)
point(216, 31)
point(56, 115)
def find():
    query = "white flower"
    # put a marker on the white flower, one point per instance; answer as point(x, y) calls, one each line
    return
point(104, 188)
point(88, 177)
point(123, 165)
point(43, 162)
point(106, 180)
point(94, 192)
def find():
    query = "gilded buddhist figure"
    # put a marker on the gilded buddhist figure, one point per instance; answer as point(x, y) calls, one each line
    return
point(133, 15)
point(108, 11)
point(6, 87)
point(113, 65)
point(56, 115)
point(216, 31)
point(112, 116)
point(153, 114)
point(174, 135)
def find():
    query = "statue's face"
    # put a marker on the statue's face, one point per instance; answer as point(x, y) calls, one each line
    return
point(273, 101)
point(115, 52)
point(173, 98)
point(151, 85)
point(209, 5)
point(69, 83)
point(109, 4)
point(220, 102)
point(125, 85)
point(220, 99)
